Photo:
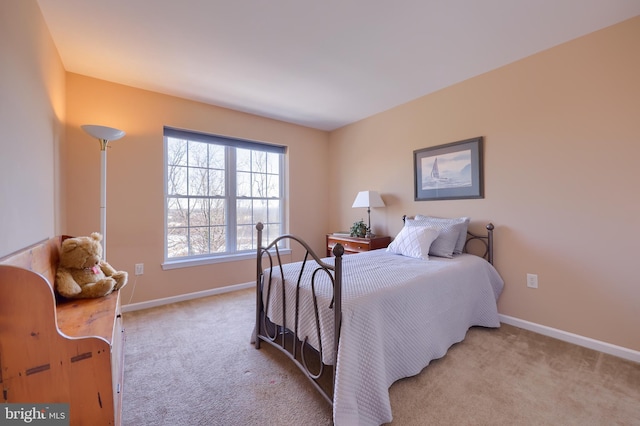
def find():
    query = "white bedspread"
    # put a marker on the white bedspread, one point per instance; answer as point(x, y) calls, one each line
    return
point(399, 314)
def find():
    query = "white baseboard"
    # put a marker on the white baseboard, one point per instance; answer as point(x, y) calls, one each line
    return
point(576, 339)
point(182, 297)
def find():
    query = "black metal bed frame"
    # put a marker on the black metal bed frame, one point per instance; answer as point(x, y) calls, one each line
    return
point(286, 340)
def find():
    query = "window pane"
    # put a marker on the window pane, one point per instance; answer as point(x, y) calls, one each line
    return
point(243, 160)
point(244, 213)
point(177, 242)
point(176, 152)
point(273, 211)
point(218, 239)
point(177, 212)
point(244, 184)
point(272, 231)
point(259, 211)
point(245, 237)
point(198, 212)
point(216, 156)
point(259, 187)
point(198, 155)
point(273, 186)
point(218, 212)
point(198, 241)
point(198, 182)
point(259, 161)
point(273, 163)
point(216, 183)
point(177, 180)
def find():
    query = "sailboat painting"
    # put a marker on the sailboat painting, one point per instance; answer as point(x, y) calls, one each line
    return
point(447, 170)
point(450, 171)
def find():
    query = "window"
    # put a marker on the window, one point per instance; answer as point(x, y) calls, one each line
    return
point(216, 190)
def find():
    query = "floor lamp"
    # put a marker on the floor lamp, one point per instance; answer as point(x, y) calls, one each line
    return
point(104, 136)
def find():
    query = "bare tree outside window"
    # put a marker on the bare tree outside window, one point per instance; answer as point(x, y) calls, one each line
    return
point(205, 214)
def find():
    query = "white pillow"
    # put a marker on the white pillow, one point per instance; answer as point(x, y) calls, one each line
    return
point(414, 241)
point(445, 243)
point(462, 237)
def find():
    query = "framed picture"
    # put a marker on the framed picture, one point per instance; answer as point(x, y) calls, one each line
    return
point(448, 172)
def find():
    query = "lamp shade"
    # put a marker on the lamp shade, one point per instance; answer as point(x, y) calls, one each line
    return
point(103, 132)
point(368, 199)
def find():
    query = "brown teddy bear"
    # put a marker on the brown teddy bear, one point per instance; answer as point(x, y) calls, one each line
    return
point(81, 271)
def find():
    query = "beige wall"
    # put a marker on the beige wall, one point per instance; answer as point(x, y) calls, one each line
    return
point(135, 203)
point(561, 177)
point(31, 113)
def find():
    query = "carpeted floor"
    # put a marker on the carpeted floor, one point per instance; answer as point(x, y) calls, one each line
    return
point(191, 363)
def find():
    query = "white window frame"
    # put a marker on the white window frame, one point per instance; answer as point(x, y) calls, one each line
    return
point(230, 196)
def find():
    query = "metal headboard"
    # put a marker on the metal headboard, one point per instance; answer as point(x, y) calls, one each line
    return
point(484, 241)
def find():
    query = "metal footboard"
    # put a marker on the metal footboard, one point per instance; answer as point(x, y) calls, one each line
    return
point(287, 339)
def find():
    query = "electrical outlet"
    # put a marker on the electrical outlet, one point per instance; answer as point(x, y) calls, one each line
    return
point(532, 280)
point(139, 268)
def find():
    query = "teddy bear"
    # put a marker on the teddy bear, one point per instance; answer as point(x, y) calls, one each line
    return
point(82, 273)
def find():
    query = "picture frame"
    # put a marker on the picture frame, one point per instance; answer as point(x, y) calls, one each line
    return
point(449, 172)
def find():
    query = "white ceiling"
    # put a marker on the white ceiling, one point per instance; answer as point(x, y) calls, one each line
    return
point(323, 63)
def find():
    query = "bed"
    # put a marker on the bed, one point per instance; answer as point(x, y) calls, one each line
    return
point(356, 324)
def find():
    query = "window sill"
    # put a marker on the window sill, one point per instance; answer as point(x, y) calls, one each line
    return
point(177, 264)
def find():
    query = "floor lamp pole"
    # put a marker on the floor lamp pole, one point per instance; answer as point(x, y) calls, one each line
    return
point(103, 195)
point(104, 135)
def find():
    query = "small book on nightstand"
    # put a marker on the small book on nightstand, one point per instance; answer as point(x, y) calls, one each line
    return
point(342, 234)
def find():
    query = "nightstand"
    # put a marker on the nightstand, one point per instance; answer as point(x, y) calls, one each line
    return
point(356, 245)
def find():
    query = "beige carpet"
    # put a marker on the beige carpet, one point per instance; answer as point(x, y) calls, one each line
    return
point(191, 363)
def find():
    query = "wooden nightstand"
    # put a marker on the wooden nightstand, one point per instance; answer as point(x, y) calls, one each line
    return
point(356, 245)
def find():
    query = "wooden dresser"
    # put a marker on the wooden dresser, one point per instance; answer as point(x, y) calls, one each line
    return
point(58, 351)
point(356, 245)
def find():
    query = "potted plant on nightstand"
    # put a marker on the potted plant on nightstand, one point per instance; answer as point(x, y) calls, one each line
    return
point(359, 229)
